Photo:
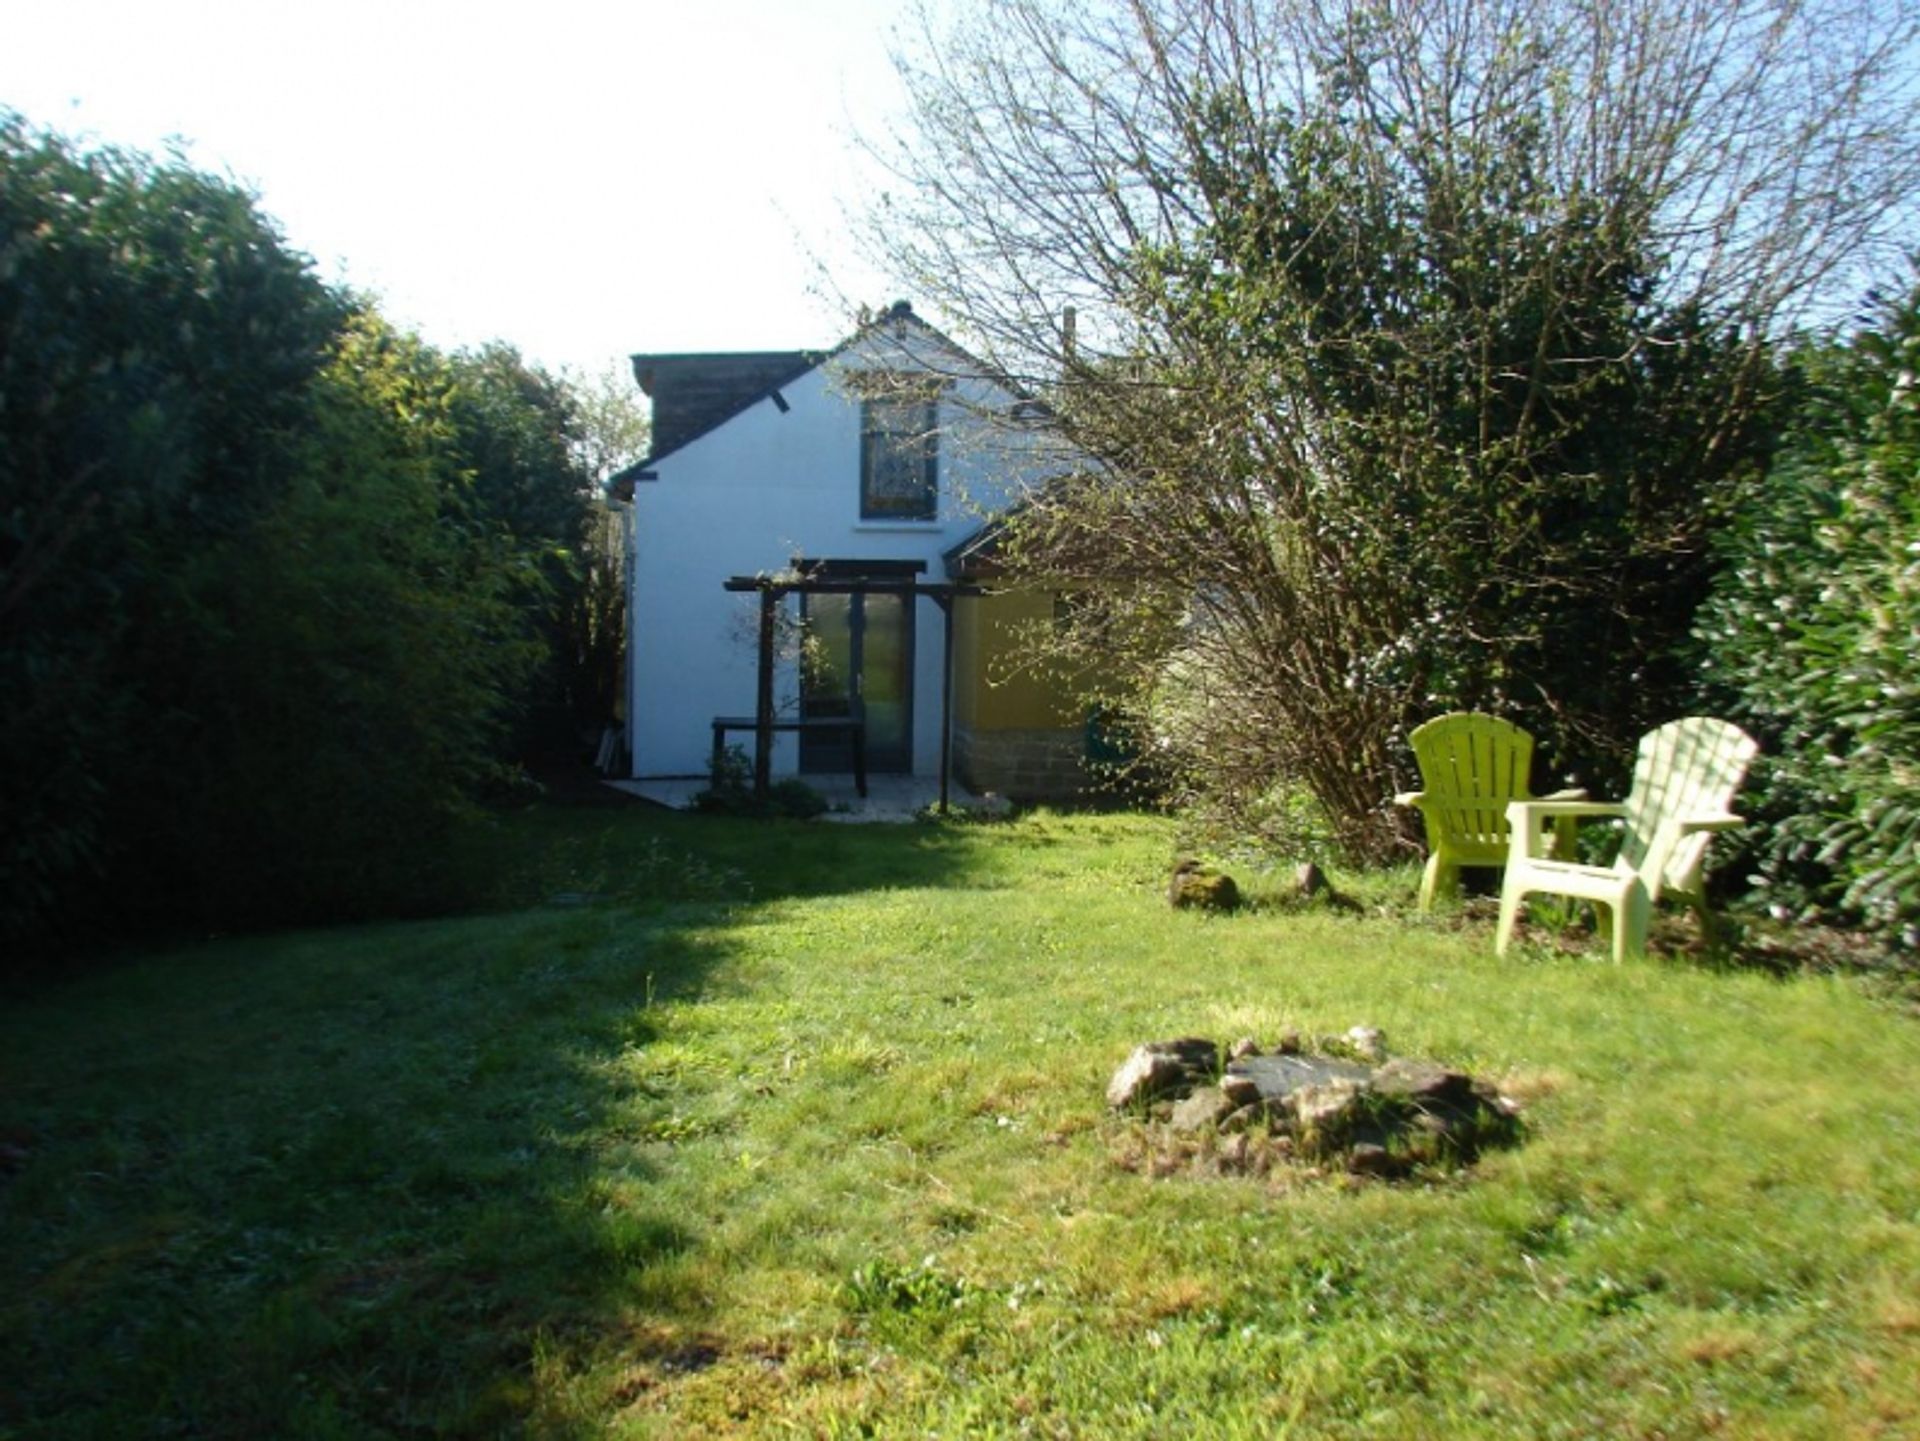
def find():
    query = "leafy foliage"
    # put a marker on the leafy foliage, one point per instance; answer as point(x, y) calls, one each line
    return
point(612, 430)
point(357, 654)
point(1417, 348)
point(517, 436)
point(274, 580)
point(156, 343)
point(731, 792)
point(1482, 473)
point(1814, 636)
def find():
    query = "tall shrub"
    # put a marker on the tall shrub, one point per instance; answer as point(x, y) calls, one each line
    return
point(1813, 637)
point(356, 656)
point(274, 580)
point(156, 345)
point(1414, 345)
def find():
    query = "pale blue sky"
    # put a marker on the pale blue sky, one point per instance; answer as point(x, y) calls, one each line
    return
point(584, 180)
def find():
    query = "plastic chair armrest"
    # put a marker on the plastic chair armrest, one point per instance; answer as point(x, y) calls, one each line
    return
point(1711, 821)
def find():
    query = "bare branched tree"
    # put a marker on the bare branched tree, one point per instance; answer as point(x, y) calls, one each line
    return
point(1415, 345)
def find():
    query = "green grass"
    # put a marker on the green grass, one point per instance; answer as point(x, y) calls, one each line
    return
point(798, 1130)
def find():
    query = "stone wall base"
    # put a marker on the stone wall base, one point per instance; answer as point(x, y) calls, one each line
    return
point(1023, 765)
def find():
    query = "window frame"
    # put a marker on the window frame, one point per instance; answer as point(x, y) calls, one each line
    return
point(893, 427)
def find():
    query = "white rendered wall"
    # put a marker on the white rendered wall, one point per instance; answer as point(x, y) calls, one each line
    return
point(751, 496)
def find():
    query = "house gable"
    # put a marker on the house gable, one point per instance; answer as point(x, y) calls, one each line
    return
point(783, 477)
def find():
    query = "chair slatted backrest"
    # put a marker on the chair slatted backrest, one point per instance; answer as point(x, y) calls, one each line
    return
point(1471, 765)
point(1688, 767)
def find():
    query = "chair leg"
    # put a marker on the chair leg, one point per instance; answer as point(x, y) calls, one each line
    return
point(1633, 914)
point(1709, 928)
point(1436, 880)
point(1511, 897)
point(1710, 933)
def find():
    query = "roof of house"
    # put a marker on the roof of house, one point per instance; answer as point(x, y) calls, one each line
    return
point(692, 394)
point(695, 393)
point(978, 553)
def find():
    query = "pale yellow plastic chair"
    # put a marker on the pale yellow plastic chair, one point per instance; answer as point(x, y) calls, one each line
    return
point(1684, 780)
point(1471, 768)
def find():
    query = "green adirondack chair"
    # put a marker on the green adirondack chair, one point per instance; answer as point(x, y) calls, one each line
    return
point(1684, 780)
point(1471, 768)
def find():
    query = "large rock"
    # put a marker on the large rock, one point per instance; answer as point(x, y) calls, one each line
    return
point(1194, 886)
point(1327, 1117)
point(1163, 1068)
point(1240, 1089)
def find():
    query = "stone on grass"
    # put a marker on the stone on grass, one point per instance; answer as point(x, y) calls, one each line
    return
point(1423, 1081)
point(1369, 1043)
point(1331, 1113)
point(1204, 1110)
point(1241, 1089)
point(1278, 1077)
point(1328, 1109)
point(1368, 1159)
point(1242, 1048)
point(1197, 887)
point(1162, 1068)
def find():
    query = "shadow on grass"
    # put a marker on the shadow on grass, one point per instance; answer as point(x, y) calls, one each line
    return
point(352, 1183)
point(398, 1179)
point(644, 855)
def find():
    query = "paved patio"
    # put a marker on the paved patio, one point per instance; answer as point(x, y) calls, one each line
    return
point(889, 798)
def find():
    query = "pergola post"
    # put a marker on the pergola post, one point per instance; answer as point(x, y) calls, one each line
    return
point(763, 702)
point(945, 602)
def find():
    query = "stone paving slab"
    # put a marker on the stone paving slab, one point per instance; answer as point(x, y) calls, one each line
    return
point(1280, 1076)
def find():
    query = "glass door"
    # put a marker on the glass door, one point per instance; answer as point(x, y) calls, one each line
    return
point(859, 663)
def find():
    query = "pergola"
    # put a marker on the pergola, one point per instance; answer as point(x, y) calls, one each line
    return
point(773, 589)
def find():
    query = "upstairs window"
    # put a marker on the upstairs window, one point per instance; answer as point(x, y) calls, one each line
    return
point(899, 475)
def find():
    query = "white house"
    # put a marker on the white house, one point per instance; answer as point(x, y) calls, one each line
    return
point(880, 460)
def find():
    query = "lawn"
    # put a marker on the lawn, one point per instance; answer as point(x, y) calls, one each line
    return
point(730, 1128)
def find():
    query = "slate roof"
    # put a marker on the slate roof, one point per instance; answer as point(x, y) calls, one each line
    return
point(692, 394)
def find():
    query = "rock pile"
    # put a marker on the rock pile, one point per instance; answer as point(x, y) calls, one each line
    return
point(1346, 1104)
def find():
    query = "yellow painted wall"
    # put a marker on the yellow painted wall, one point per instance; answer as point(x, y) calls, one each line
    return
point(992, 691)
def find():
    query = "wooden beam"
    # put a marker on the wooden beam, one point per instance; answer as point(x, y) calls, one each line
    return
point(945, 602)
point(763, 704)
point(872, 586)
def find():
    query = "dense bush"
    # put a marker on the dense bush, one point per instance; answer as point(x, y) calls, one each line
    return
point(1813, 637)
point(156, 345)
point(275, 582)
